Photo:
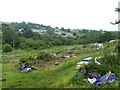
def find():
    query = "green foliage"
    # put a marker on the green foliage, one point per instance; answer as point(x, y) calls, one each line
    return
point(29, 43)
point(108, 63)
point(64, 74)
point(27, 58)
point(59, 76)
point(27, 39)
point(106, 36)
point(24, 59)
point(23, 46)
point(44, 56)
point(7, 48)
point(117, 48)
point(85, 46)
point(10, 36)
point(27, 33)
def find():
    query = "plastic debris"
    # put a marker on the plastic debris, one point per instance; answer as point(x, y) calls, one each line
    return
point(84, 61)
point(93, 80)
point(97, 61)
point(2, 79)
point(26, 70)
point(87, 59)
point(107, 77)
point(26, 67)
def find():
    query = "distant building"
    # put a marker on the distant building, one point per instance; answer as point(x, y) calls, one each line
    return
point(20, 30)
point(39, 31)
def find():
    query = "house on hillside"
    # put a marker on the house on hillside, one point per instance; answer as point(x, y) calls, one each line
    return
point(39, 31)
point(20, 30)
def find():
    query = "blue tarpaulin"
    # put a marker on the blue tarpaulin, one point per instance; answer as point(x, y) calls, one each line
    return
point(112, 77)
point(102, 79)
point(87, 59)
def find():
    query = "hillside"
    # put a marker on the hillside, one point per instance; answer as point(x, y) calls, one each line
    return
point(53, 76)
point(47, 36)
point(53, 53)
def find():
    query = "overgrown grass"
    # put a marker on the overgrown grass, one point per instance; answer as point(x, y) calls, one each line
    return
point(59, 76)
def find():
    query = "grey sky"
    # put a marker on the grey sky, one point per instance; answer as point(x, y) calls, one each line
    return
point(83, 14)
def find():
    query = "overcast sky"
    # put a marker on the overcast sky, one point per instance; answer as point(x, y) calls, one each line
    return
point(83, 14)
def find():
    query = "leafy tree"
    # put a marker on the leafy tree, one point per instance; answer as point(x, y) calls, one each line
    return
point(107, 36)
point(74, 34)
point(62, 29)
point(28, 33)
point(7, 48)
point(36, 36)
point(10, 36)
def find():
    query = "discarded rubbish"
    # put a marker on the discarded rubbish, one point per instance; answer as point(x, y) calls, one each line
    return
point(84, 61)
point(83, 70)
point(97, 61)
point(34, 68)
point(2, 79)
point(87, 59)
point(93, 80)
point(100, 46)
point(57, 63)
point(112, 77)
point(26, 67)
point(65, 56)
point(107, 77)
point(95, 77)
point(26, 70)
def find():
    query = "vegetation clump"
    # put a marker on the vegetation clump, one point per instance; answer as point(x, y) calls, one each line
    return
point(44, 56)
point(7, 48)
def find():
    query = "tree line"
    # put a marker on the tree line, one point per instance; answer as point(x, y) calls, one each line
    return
point(27, 39)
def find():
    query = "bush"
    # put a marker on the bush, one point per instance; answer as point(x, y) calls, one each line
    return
point(44, 56)
point(108, 63)
point(117, 48)
point(85, 46)
point(26, 59)
point(7, 48)
point(23, 46)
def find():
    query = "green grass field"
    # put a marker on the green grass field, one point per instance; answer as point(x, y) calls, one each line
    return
point(61, 76)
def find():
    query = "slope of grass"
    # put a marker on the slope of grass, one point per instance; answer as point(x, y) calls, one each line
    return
point(59, 76)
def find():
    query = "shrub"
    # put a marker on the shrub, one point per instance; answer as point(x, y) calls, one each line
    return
point(7, 48)
point(26, 59)
point(108, 63)
point(44, 56)
point(85, 46)
point(23, 46)
point(117, 48)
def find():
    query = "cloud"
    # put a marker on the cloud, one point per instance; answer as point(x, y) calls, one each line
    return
point(91, 14)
